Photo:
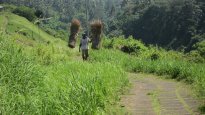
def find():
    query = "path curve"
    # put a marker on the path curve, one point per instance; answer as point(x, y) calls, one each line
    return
point(153, 96)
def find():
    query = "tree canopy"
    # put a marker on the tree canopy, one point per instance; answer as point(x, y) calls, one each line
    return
point(173, 24)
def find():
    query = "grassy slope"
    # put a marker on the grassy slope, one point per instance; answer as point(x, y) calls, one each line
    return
point(67, 80)
point(40, 75)
point(33, 38)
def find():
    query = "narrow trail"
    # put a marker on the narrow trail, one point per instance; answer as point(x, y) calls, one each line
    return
point(153, 96)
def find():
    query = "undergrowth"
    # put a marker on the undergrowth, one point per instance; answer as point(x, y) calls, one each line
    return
point(153, 60)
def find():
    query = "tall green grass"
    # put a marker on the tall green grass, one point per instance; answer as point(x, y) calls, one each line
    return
point(83, 88)
point(42, 76)
point(20, 80)
point(31, 85)
point(154, 60)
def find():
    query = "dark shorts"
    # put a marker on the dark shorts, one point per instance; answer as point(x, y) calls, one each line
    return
point(85, 54)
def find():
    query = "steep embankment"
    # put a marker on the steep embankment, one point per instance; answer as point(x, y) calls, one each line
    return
point(12, 23)
point(26, 32)
point(30, 37)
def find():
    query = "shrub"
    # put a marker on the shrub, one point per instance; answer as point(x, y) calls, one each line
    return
point(26, 12)
point(201, 48)
point(9, 7)
point(155, 56)
point(39, 14)
point(129, 45)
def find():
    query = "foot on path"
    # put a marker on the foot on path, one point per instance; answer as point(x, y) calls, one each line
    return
point(153, 96)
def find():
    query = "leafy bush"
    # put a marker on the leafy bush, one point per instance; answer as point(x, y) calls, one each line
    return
point(9, 7)
point(26, 12)
point(129, 45)
point(200, 47)
point(39, 14)
point(194, 56)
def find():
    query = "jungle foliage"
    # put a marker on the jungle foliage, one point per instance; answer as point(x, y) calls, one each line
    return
point(171, 24)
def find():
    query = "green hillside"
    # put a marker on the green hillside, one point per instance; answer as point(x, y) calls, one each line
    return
point(15, 25)
point(41, 75)
point(30, 36)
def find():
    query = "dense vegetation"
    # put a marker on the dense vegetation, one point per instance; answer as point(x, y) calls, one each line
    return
point(41, 75)
point(68, 87)
point(154, 60)
point(172, 24)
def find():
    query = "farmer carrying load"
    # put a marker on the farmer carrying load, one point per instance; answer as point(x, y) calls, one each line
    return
point(84, 46)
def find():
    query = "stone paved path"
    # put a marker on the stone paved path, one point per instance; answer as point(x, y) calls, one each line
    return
point(153, 96)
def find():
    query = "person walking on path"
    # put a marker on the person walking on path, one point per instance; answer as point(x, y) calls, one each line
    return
point(84, 46)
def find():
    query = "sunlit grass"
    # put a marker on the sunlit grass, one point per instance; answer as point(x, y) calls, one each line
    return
point(43, 76)
point(170, 63)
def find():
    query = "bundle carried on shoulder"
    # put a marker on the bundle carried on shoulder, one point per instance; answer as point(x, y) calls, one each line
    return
point(74, 29)
point(96, 31)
